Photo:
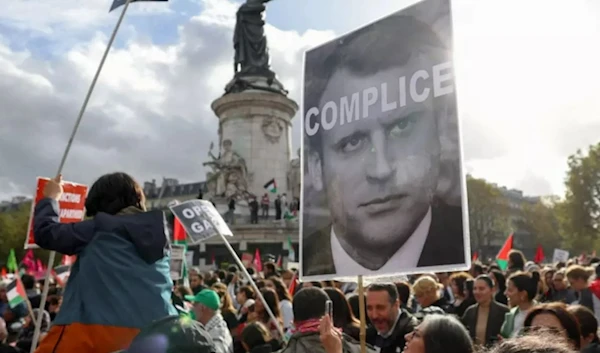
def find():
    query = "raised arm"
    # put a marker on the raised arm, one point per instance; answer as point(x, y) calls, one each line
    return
point(50, 234)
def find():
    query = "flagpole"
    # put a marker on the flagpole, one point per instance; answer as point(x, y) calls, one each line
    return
point(254, 286)
point(38, 324)
point(27, 301)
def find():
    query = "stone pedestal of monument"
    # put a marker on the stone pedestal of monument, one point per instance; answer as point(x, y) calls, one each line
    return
point(258, 123)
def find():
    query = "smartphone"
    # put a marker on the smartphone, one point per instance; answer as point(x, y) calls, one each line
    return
point(329, 308)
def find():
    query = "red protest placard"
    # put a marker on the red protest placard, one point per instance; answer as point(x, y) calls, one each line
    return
point(72, 205)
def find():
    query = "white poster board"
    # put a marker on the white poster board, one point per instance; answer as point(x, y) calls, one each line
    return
point(177, 259)
point(384, 191)
point(560, 255)
point(189, 259)
point(200, 218)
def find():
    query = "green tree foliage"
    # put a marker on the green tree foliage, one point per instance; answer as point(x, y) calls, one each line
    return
point(488, 212)
point(13, 231)
point(541, 221)
point(579, 213)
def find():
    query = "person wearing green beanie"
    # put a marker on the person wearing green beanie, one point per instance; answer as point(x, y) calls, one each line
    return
point(206, 310)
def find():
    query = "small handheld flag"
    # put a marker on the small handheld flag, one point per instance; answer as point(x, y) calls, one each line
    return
point(291, 251)
point(292, 289)
point(287, 215)
point(271, 186)
point(15, 292)
point(502, 257)
point(539, 255)
point(257, 261)
point(118, 3)
point(11, 263)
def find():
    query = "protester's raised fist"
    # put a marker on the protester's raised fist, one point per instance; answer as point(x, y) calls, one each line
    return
point(53, 188)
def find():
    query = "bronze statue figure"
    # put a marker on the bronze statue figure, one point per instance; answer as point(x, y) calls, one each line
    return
point(250, 42)
point(251, 64)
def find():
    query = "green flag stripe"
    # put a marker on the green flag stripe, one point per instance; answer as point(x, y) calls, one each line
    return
point(16, 301)
point(502, 263)
point(184, 243)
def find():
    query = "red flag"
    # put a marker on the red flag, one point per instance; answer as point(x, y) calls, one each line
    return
point(29, 262)
point(279, 261)
point(257, 261)
point(213, 262)
point(39, 266)
point(292, 288)
point(539, 255)
point(4, 272)
point(179, 235)
point(475, 256)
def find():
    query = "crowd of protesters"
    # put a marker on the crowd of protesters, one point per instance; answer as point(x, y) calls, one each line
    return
point(483, 310)
point(120, 296)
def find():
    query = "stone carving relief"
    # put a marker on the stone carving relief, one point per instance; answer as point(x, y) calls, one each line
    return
point(229, 176)
point(294, 176)
point(272, 128)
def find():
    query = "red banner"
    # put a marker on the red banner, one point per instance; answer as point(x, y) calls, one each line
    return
point(72, 205)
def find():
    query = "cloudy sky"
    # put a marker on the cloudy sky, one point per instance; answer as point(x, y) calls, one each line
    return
point(528, 78)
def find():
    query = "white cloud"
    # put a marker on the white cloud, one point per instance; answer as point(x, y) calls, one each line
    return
point(218, 12)
point(527, 72)
point(149, 114)
point(524, 85)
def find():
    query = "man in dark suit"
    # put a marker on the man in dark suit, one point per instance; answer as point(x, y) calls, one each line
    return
point(374, 100)
point(390, 323)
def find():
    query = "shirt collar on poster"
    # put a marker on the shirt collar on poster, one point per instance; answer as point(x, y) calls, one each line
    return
point(407, 257)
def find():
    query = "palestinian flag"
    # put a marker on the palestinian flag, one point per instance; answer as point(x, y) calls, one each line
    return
point(271, 186)
point(293, 283)
point(502, 257)
point(118, 3)
point(61, 273)
point(288, 215)
point(291, 251)
point(180, 238)
point(16, 293)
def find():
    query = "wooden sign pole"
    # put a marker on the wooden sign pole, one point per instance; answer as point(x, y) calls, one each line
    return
point(363, 316)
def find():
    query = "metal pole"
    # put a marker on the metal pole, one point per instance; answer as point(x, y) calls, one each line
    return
point(256, 289)
point(38, 323)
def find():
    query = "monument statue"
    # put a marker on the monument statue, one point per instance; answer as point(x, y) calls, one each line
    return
point(294, 176)
point(252, 67)
point(250, 42)
point(229, 176)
